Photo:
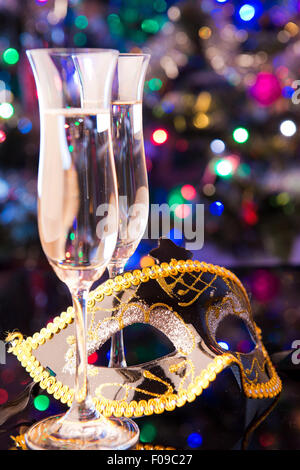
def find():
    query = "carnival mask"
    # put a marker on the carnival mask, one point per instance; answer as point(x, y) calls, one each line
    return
point(203, 310)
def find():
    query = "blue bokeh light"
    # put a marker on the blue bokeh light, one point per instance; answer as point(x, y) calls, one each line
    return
point(24, 125)
point(216, 208)
point(247, 12)
point(223, 345)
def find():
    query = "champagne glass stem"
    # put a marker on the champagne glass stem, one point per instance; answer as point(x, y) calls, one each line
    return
point(83, 404)
point(117, 353)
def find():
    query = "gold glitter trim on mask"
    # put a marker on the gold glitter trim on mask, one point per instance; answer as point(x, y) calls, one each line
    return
point(23, 349)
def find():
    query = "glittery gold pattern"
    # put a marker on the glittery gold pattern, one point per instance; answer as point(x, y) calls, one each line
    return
point(181, 286)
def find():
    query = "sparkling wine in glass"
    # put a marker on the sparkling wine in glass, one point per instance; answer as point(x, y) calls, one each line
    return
point(77, 218)
point(129, 155)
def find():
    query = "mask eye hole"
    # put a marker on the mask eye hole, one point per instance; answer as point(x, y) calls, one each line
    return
point(233, 335)
point(143, 343)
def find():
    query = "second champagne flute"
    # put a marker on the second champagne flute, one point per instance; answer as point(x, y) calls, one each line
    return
point(129, 155)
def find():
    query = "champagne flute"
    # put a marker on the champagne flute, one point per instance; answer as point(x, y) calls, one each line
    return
point(129, 155)
point(77, 218)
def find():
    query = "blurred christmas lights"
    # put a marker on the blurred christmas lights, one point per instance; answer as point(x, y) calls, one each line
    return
point(288, 128)
point(159, 136)
point(266, 89)
point(10, 56)
point(240, 135)
point(216, 208)
point(223, 345)
point(194, 440)
point(81, 22)
point(2, 136)
point(247, 12)
point(6, 110)
point(24, 125)
point(146, 261)
point(148, 432)
point(41, 402)
point(224, 167)
point(3, 396)
point(93, 358)
point(182, 211)
point(188, 192)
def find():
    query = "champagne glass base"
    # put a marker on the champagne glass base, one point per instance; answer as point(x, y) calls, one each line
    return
point(57, 433)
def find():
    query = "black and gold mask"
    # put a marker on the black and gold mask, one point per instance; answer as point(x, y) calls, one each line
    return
point(191, 302)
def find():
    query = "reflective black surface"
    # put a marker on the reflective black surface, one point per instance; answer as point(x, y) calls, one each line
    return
point(221, 418)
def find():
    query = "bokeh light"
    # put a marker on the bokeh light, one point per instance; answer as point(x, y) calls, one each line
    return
point(216, 208)
point(150, 26)
point(6, 110)
point(201, 120)
point(3, 396)
point(146, 261)
point(147, 432)
point(175, 197)
point(10, 56)
point(247, 12)
point(209, 189)
point(80, 39)
point(24, 125)
point(155, 84)
point(41, 402)
point(159, 136)
point(194, 440)
point(182, 211)
point(188, 192)
point(240, 135)
point(81, 22)
point(266, 89)
point(224, 168)
point(93, 358)
point(288, 128)
point(217, 146)
point(223, 345)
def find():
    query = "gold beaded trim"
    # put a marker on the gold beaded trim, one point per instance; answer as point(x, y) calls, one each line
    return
point(20, 443)
point(22, 349)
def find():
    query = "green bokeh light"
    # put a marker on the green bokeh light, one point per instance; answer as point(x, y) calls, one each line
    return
point(79, 39)
point(160, 6)
point(175, 197)
point(148, 432)
point(150, 26)
point(41, 402)
point(244, 170)
point(240, 135)
point(6, 110)
point(130, 15)
point(81, 22)
point(155, 84)
point(223, 168)
point(283, 199)
point(10, 56)
point(115, 24)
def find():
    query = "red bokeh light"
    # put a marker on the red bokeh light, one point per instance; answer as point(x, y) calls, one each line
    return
point(159, 136)
point(2, 136)
point(188, 192)
point(182, 211)
point(3, 396)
